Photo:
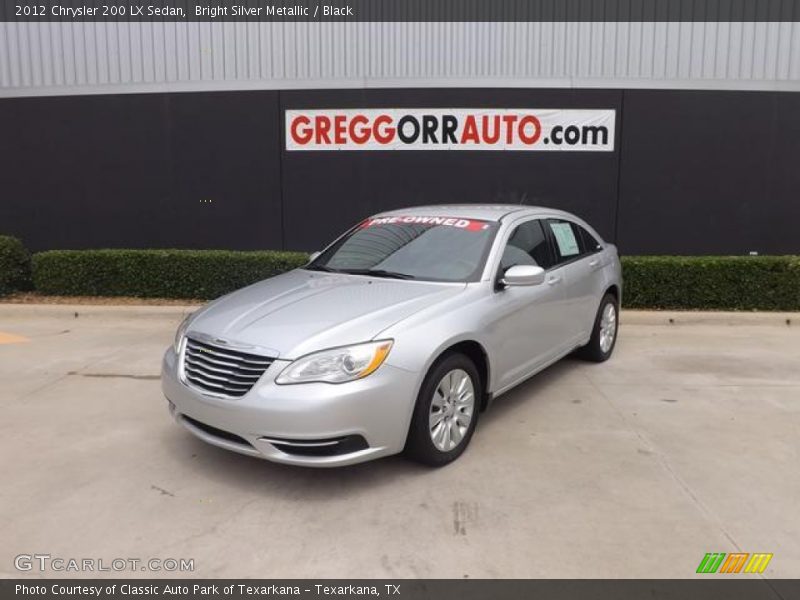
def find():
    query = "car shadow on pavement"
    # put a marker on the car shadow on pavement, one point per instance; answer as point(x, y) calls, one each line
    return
point(254, 475)
point(528, 390)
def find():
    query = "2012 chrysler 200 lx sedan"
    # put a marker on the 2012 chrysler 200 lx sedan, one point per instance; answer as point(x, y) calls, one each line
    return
point(396, 336)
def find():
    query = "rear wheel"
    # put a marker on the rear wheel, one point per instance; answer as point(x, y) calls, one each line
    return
point(604, 333)
point(446, 412)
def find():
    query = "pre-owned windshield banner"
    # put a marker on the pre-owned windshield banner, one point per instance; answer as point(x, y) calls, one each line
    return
point(516, 129)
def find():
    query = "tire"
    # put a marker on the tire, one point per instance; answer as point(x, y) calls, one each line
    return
point(599, 349)
point(428, 440)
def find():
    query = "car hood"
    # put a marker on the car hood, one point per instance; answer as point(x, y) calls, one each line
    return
point(304, 311)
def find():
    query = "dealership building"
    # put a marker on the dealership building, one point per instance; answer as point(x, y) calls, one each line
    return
point(669, 137)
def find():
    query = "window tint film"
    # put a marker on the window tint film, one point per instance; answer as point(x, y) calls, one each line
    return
point(412, 247)
point(590, 243)
point(528, 245)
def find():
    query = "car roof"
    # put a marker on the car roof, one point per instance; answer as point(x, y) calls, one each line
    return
point(483, 212)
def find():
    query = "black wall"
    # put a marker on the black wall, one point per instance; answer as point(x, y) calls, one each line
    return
point(693, 172)
point(710, 172)
point(142, 171)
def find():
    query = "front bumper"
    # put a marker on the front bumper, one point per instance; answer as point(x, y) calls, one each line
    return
point(310, 424)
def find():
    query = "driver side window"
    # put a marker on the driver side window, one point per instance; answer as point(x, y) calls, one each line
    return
point(527, 245)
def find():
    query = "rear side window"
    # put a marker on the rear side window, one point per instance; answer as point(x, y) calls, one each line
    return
point(528, 245)
point(571, 241)
point(590, 244)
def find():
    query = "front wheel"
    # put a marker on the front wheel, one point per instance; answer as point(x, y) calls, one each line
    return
point(604, 333)
point(445, 413)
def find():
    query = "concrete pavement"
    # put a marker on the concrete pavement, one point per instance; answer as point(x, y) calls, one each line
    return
point(686, 442)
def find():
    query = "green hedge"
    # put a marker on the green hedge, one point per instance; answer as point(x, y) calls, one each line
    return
point(712, 282)
point(201, 274)
point(15, 266)
point(668, 282)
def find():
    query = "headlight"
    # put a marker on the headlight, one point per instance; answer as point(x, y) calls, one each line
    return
point(337, 365)
point(179, 335)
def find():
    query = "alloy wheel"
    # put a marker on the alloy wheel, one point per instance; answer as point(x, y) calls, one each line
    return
point(451, 410)
point(608, 327)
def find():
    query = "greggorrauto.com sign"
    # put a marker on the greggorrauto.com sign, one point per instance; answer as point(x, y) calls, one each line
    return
point(542, 129)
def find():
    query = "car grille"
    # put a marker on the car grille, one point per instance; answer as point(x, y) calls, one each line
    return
point(222, 370)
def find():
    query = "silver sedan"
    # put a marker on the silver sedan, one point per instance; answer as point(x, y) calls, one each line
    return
point(396, 336)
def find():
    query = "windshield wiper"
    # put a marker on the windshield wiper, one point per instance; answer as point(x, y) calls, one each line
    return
point(378, 273)
point(321, 268)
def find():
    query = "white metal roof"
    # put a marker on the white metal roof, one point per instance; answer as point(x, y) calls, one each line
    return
point(93, 58)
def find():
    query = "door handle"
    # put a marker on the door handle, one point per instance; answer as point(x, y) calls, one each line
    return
point(594, 263)
point(553, 279)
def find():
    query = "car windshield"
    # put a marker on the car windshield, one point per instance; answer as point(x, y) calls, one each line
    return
point(412, 247)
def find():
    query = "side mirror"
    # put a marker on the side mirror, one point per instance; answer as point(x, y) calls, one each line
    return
point(519, 275)
point(313, 256)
